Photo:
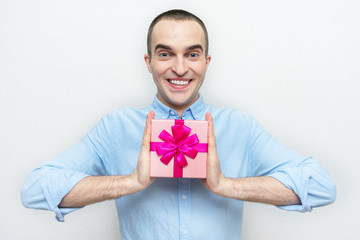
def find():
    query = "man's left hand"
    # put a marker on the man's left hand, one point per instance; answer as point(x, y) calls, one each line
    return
point(215, 179)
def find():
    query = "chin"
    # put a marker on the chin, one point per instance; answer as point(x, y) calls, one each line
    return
point(182, 102)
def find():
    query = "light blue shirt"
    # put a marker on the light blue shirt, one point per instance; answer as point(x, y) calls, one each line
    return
point(173, 208)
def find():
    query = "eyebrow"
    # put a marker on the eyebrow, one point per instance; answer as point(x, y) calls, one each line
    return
point(163, 46)
point(196, 46)
point(167, 47)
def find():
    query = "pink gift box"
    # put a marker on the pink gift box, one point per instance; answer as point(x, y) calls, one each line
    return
point(178, 148)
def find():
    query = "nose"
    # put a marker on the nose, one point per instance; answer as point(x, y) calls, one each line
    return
point(179, 66)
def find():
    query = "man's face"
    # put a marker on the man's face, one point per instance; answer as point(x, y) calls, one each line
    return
point(178, 62)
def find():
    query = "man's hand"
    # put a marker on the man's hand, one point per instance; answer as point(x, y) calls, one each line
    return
point(215, 179)
point(141, 175)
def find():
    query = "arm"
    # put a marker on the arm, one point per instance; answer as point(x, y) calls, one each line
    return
point(94, 189)
point(293, 185)
point(255, 189)
point(72, 179)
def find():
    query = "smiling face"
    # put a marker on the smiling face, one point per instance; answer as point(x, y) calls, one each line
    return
point(178, 62)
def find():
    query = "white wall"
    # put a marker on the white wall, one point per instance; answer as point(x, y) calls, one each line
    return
point(294, 65)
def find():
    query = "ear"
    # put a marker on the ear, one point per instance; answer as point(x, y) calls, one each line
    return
point(208, 59)
point(148, 62)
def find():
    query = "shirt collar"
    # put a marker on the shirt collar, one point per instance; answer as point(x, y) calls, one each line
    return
point(194, 112)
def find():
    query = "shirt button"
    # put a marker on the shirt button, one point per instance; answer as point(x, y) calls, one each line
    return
point(186, 232)
point(172, 112)
point(184, 197)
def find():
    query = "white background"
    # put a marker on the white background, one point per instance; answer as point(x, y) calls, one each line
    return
point(293, 65)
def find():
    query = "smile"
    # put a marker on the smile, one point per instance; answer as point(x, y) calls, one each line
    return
point(179, 82)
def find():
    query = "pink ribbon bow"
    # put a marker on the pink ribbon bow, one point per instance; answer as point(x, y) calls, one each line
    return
point(177, 146)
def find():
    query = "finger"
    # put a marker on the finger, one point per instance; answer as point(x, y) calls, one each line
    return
point(147, 131)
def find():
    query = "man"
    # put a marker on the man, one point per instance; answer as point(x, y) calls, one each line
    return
point(244, 162)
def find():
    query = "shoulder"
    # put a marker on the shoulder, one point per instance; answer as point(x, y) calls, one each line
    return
point(126, 116)
point(128, 113)
point(228, 113)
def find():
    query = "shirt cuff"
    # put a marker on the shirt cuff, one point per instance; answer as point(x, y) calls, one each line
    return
point(298, 181)
point(57, 186)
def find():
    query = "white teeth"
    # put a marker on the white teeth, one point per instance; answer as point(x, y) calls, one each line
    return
point(177, 82)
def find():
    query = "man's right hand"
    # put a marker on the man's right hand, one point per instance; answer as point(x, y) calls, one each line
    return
point(141, 175)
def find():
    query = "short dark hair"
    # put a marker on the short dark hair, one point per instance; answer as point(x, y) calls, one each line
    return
point(177, 15)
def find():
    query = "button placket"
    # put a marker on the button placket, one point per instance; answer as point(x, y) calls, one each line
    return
point(184, 208)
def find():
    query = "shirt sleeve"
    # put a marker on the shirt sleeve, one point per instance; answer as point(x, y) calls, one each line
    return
point(304, 175)
point(47, 185)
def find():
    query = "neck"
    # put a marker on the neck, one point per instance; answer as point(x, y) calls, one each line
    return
point(180, 112)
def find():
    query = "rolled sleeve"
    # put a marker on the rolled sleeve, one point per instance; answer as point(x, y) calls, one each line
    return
point(57, 187)
point(298, 181)
point(311, 182)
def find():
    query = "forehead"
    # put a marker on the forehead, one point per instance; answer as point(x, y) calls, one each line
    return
point(177, 33)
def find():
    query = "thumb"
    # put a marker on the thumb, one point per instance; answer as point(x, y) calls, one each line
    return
point(211, 132)
point(147, 131)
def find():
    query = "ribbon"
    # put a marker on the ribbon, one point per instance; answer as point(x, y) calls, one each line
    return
point(177, 146)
